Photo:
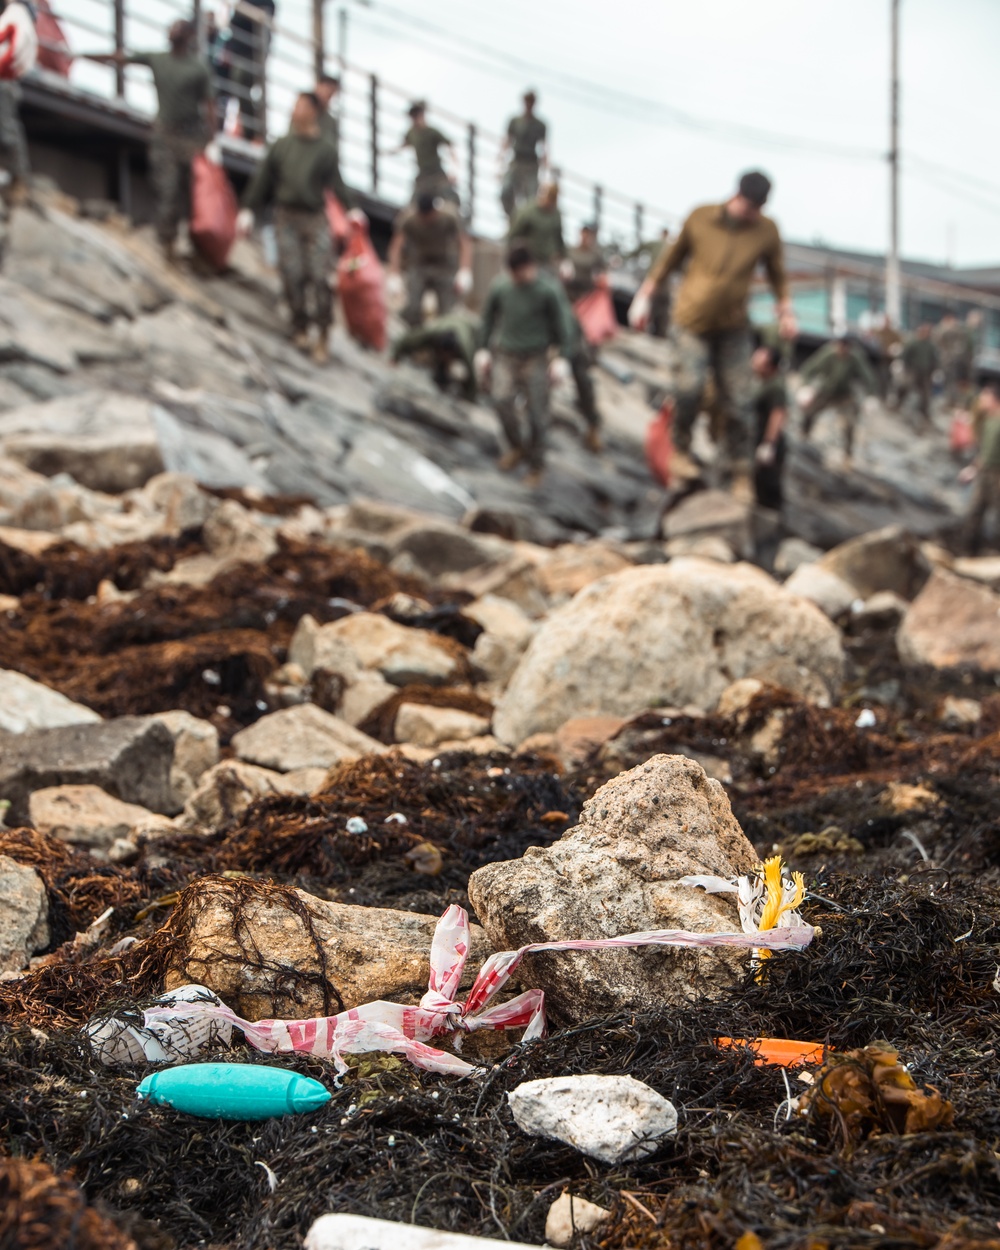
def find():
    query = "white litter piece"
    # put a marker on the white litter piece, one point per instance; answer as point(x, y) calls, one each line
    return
point(357, 825)
point(185, 1035)
point(570, 1215)
point(610, 1118)
point(866, 719)
point(357, 1232)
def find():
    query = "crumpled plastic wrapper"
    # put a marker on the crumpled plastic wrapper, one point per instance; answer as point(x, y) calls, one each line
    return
point(174, 1030)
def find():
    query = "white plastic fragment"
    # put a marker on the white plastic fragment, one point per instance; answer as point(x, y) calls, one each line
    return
point(866, 719)
point(357, 1232)
point(184, 1035)
point(357, 825)
point(610, 1118)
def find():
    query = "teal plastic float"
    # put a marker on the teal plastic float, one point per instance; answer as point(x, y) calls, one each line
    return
point(233, 1091)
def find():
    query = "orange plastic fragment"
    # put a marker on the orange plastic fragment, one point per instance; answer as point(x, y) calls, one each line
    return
point(779, 1052)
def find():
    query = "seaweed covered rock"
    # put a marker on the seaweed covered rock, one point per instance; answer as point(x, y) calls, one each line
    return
point(669, 635)
point(272, 952)
point(616, 872)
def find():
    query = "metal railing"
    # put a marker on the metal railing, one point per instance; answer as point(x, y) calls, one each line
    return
point(372, 111)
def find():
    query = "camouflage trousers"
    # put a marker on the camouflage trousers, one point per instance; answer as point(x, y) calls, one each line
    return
point(170, 157)
point(725, 355)
point(13, 145)
point(523, 378)
point(985, 499)
point(520, 185)
point(581, 363)
point(438, 185)
point(423, 278)
point(848, 411)
point(305, 257)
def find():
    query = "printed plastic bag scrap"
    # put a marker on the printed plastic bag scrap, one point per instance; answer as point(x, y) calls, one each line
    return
point(405, 1030)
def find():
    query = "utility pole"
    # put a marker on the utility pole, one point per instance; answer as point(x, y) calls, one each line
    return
point(319, 39)
point(893, 293)
point(342, 38)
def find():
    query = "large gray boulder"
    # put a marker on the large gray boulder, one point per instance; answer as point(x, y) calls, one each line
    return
point(130, 758)
point(26, 704)
point(24, 915)
point(616, 872)
point(668, 635)
point(885, 559)
point(952, 623)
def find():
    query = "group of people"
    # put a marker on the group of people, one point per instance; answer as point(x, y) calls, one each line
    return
point(529, 337)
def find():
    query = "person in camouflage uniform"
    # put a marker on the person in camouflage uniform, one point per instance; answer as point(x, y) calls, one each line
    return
point(526, 140)
point(293, 177)
point(444, 342)
point(427, 142)
point(839, 371)
point(538, 226)
point(919, 359)
point(984, 473)
point(185, 121)
point(956, 346)
point(581, 271)
point(429, 243)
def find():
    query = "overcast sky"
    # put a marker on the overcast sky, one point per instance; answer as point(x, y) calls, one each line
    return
point(812, 70)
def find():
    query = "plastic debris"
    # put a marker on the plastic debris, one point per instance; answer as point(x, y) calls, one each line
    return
point(777, 1052)
point(151, 1036)
point(405, 1030)
point(357, 1232)
point(357, 825)
point(866, 719)
point(233, 1091)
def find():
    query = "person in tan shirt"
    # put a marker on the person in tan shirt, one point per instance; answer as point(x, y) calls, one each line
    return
point(719, 248)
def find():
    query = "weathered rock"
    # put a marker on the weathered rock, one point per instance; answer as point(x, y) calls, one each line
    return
point(701, 547)
point(577, 739)
point(435, 548)
point(614, 873)
point(738, 697)
point(402, 655)
point(710, 513)
point(985, 569)
point(130, 758)
point(87, 816)
point(885, 559)
point(235, 533)
point(575, 565)
point(302, 737)
point(291, 947)
point(956, 713)
point(792, 553)
point(952, 622)
point(24, 915)
point(569, 1216)
point(881, 610)
point(507, 630)
point(180, 502)
point(665, 634)
point(27, 704)
point(426, 726)
point(103, 440)
point(416, 481)
point(363, 695)
point(196, 750)
point(226, 791)
point(316, 646)
point(610, 1118)
point(830, 593)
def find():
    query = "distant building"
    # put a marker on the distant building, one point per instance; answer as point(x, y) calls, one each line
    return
point(836, 290)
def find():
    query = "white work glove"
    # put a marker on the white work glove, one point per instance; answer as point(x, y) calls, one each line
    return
point(213, 152)
point(968, 474)
point(764, 453)
point(394, 288)
point(639, 310)
point(483, 364)
point(559, 371)
point(567, 270)
point(463, 282)
point(805, 395)
point(244, 222)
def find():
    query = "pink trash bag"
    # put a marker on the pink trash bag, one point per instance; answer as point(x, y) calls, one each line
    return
point(361, 282)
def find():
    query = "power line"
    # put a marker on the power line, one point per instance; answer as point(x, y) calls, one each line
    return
point(598, 95)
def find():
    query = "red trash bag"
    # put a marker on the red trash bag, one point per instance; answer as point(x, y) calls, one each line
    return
point(596, 314)
point(361, 282)
point(340, 227)
point(660, 443)
point(960, 437)
point(213, 211)
point(18, 41)
point(53, 46)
